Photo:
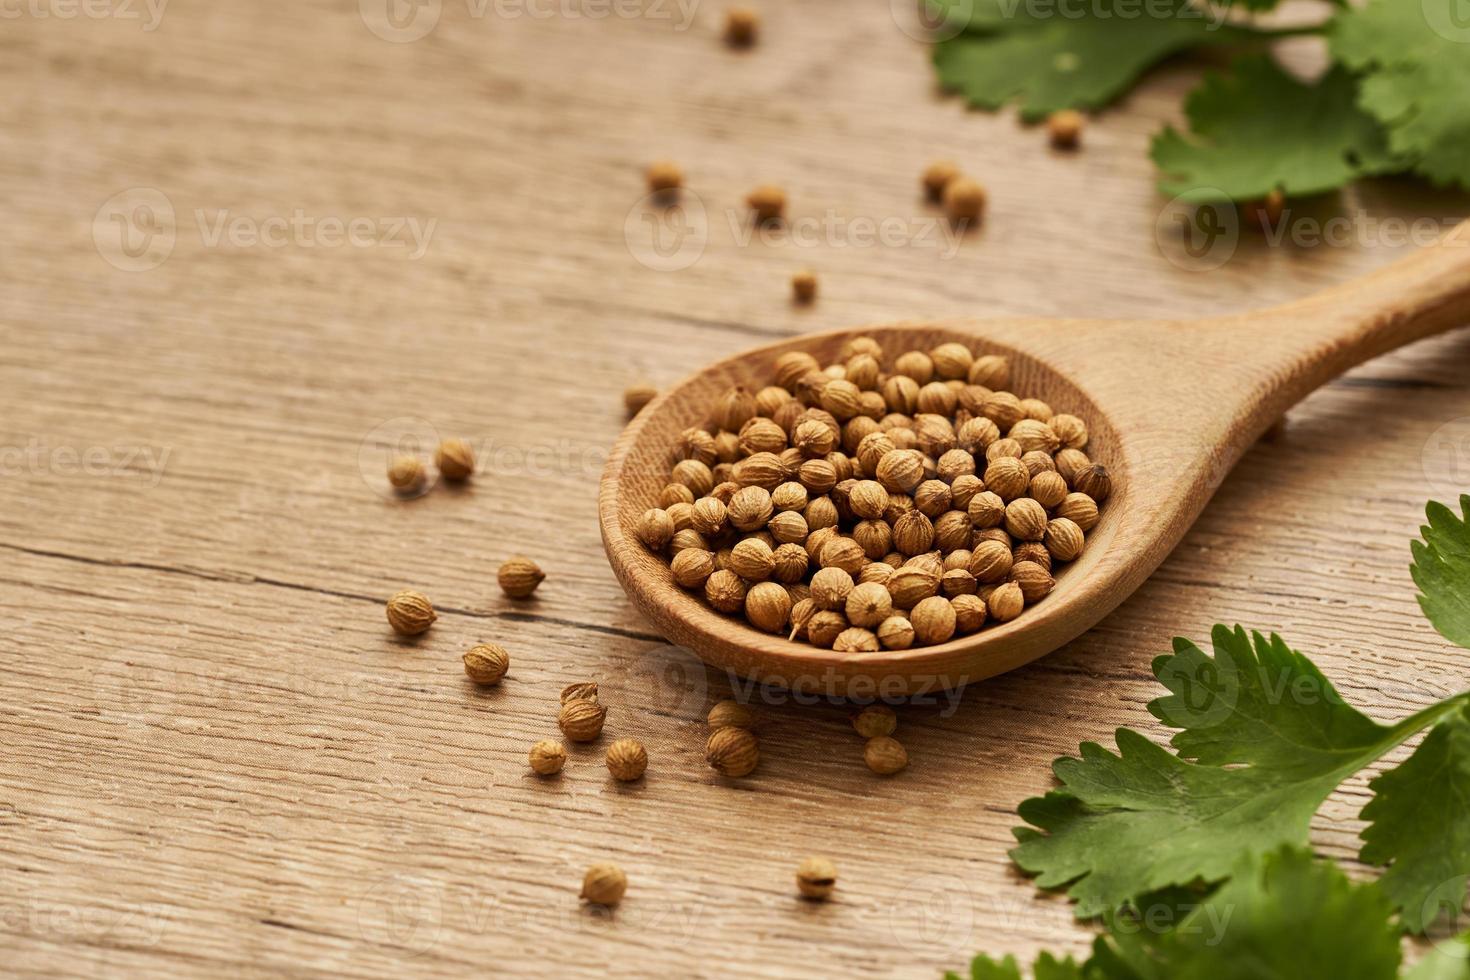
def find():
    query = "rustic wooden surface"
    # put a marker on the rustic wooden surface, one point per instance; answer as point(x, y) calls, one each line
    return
point(216, 758)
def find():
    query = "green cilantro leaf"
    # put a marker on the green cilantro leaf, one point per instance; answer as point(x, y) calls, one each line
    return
point(1442, 569)
point(1047, 967)
point(1450, 960)
point(1314, 138)
point(1419, 819)
point(1417, 67)
point(1146, 819)
point(1282, 916)
point(1013, 51)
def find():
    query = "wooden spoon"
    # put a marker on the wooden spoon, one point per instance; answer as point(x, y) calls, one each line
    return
point(1170, 405)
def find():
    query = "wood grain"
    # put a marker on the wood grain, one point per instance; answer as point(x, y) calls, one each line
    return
point(217, 759)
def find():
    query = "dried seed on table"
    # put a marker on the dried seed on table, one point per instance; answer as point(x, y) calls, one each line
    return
point(519, 577)
point(410, 613)
point(486, 663)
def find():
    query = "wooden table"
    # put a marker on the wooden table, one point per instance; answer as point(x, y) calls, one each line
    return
point(216, 759)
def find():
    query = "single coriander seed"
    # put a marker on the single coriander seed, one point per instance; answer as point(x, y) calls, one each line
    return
point(732, 752)
point(585, 690)
point(816, 877)
point(664, 177)
point(486, 663)
point(548, 757)
point(885, 756)
point(1064, 127)
point(804, 286)
point(604, 884)
point(519, 577)
point(767, 205)
point(581, 720)
point(742, 24)
point(627, 759)
point(455, 460)
point(964, 200)
point(875, 720)
point(731, 714)
point(410, 613)
point(406, 474)
point(937, 176)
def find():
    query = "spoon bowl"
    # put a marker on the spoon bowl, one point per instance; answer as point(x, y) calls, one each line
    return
point(1170, 407)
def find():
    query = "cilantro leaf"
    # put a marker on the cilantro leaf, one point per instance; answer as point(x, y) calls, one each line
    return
point(1417, 70)
point(1313, 139)
point(1145, 819)
point(1442, 571)
point(1282, 916)
point(1044, 61)
point(1450, 960)
point(1047, 967)
point(1419, 819)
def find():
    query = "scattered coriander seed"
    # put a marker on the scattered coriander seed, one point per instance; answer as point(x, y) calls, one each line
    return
point(581, 720)
point(885, 756)
point(804, 286)
point(455, 460)
point(519, 577)
point(604, 884)
point(1064, 127)
point(816, 877)
point(937, 177)
point(548, 757)
point(627, 759)
point(406, 474)
point(732, 752)
point(637, 396)
point(585, 690)
point(486, 663)
point(964, 200)
point(410, 613)
point(664, 177)
point(731, 714)
point(875, 720)
point(742, 24)
point(768, 206)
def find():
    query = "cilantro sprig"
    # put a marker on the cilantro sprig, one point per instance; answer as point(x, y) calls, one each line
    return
point(1391, 101)
point(1261, 737)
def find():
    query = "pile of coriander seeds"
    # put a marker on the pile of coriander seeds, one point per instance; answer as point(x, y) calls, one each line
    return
point(871, 505)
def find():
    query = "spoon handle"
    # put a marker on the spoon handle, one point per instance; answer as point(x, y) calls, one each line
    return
point(1414, 298)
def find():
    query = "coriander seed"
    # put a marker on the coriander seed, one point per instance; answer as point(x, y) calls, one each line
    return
point(741, 26)
point(855, 640)
point(1035, 582)
point(547, 757)
point(406, 474)
point(875, 720)
point(635, 397)
point(664, 177)
point(732, 752)
point(519, 577)
point(581, 720)
point(655, 529)
point(1006, 602)
point(933, 620)
point(937, 176)
point(486, 663)
point(1064, 128)
point(410, 613)
point(1063, 539)
point(731, 714)
point(767, 205)
point(964, 200)
point(868, 605)
point(627, 759)
point(885, 756)
point(604, 884)
point(768, 607)
point(692, 568)
point(896, 633)
point(816, 878)
point(804, 286)
point(455, 460)
point(585, 690)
